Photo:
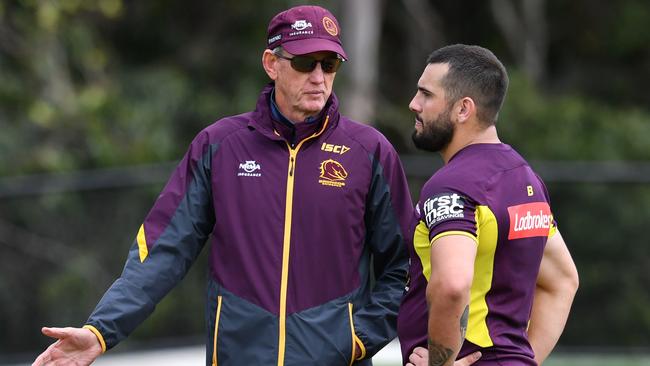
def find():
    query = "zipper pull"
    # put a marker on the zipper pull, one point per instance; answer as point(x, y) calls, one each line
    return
point(291, 165)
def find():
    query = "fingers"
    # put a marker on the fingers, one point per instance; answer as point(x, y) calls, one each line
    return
point(41, 360)
point(44, 357)
point(419, 356)
point(413, 358)
point(473, 357)
point(421, 351)
point(469, 359)
point(55, 332)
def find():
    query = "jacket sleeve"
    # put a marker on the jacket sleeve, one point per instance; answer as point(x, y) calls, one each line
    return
point(168, 242)
point(388, 212)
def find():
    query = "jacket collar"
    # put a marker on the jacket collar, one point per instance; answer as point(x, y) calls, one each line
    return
point(277, 127)
point(279, 117)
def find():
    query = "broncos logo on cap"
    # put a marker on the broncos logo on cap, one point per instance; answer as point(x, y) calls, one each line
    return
point(330, 26)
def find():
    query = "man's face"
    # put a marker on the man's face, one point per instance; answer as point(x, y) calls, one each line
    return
point(303, 94)
point(434, 128)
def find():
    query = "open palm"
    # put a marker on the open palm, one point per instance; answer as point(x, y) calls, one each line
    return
point(74, 347)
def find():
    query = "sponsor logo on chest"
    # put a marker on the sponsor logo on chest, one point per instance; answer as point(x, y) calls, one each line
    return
point(443, 207)
point(332, 173)
point(529, 220)
point(337, 149)
point(250, 168)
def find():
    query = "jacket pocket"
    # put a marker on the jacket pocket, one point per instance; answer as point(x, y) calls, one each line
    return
point(356, 342)
point(321, 336)
point(216, 330)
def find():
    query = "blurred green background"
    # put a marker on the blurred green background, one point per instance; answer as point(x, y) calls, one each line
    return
point(99, 99)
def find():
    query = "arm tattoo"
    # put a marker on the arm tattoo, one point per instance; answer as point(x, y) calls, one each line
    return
point(438, 354)
point(463, 324)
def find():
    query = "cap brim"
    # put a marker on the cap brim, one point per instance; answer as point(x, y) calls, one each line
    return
point(304, 46)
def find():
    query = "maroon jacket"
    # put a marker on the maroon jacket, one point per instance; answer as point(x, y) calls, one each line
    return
point(293, 228)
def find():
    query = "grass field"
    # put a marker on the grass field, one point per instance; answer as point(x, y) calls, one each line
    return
point(582, 360)
point(598, 360)
point(390, 356)
point(194, 355)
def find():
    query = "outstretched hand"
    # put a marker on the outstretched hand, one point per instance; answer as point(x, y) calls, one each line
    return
point(74, 347)
point(420, 357)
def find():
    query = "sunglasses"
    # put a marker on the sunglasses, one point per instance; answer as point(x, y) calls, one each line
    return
point(308, 63)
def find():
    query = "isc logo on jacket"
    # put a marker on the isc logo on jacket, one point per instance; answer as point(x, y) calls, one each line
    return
point(337, 149)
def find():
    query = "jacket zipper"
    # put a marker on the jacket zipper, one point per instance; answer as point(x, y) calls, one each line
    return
point(293, 152)
point(354, 343)
point(216, 329)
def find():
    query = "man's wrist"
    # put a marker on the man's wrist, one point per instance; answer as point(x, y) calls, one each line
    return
point(98, 335)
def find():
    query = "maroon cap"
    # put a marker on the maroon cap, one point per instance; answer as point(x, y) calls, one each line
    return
point(305, 29)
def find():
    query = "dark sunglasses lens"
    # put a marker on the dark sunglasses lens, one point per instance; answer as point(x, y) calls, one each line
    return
point(330, 64)
point(303, 63)
point(308, 64)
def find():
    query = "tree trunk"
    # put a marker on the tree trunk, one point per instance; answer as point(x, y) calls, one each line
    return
point(525, 34)
point(361, 31)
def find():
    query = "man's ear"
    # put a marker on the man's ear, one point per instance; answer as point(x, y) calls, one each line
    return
point(270, 64)
point(465, 109)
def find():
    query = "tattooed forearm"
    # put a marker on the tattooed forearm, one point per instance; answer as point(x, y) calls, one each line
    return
point(463, 324)
point(438, 354)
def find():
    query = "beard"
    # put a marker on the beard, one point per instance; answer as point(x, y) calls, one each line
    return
point(436, 134)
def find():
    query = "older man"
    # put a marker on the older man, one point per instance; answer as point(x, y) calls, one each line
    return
point(297, 199)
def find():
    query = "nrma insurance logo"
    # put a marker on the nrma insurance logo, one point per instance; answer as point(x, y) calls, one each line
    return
point(249, 169)
point(301, 25)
